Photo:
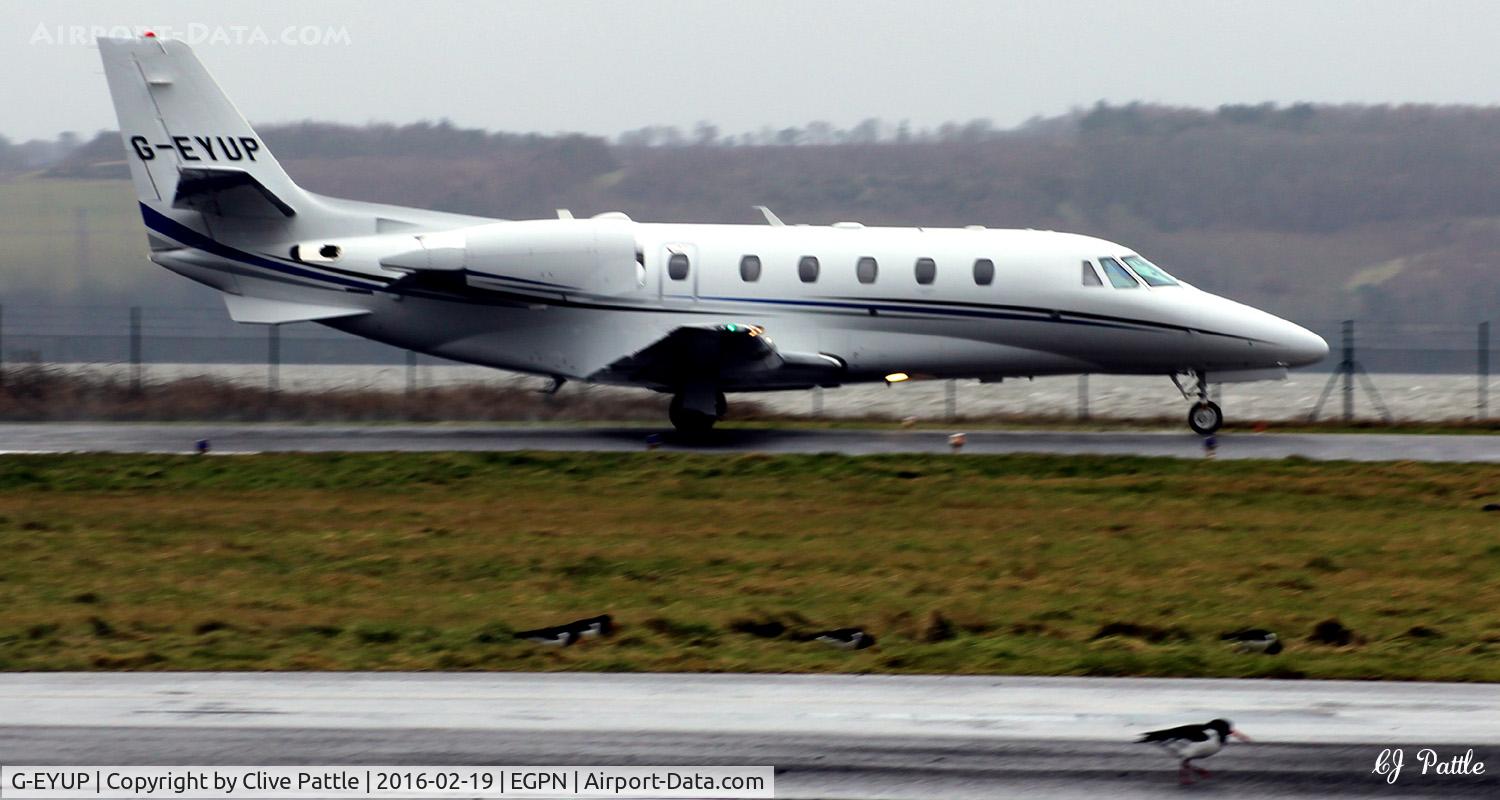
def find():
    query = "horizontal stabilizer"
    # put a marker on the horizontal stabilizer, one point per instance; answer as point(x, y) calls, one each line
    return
point(227, 191)
point(274, 312)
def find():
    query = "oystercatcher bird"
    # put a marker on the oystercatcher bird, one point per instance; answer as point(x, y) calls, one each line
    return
point(845, 638)
point(571, 632)
point(593, 627)
point(1254, 640)
point(560, 636)
point(1188, 742)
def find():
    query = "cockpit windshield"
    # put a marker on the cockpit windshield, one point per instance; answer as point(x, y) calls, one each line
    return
point(1149, 272)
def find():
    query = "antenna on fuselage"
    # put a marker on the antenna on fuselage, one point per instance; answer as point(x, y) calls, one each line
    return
point(771, 218)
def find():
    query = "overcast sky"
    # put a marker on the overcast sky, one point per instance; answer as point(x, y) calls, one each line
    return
point(605, 67)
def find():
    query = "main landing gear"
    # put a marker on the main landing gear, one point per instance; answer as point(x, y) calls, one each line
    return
point(695, 410)
point(1205, 417)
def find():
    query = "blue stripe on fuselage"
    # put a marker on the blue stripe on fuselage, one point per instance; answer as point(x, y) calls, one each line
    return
point(521, 280)
point(920, 310)
point(166, 226)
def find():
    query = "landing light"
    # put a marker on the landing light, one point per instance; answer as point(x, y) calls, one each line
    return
point(897, 377)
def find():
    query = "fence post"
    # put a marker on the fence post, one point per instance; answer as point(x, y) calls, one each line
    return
point(135, 349)
point(411, 373)
point(81, 239)
point(1083, 396)
point(817, 402)
point(1347, 367)
point(273, 359)
point(1484, 370)
point(950, 406)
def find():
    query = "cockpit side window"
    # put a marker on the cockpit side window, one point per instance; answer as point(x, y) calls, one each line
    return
point(1090, 277)
point(1119, 277)
point(1149, 272)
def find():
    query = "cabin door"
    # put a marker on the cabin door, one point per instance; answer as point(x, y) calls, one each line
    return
point(677, 277)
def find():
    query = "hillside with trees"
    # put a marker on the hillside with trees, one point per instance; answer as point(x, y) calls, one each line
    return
point(1315, 212)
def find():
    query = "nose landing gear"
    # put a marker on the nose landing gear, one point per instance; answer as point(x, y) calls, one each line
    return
point(1205, 417)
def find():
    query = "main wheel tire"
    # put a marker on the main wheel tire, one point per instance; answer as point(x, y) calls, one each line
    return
point(1205, 417)
point(687, 421)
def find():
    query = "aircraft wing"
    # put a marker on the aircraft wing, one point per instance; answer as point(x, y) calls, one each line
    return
point(732, 357)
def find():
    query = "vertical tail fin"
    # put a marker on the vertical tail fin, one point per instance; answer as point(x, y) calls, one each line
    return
point(187, 145)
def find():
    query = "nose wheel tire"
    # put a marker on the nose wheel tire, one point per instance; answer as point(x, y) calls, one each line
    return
point(1205, 417)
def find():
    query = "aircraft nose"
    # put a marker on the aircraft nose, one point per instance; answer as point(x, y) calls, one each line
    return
point(1303, 346)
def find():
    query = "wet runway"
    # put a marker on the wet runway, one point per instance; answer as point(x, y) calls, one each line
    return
point(827, 736)
point(250, 438)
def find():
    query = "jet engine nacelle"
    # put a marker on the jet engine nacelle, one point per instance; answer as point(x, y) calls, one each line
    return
point(593, 256)
point(588, 256)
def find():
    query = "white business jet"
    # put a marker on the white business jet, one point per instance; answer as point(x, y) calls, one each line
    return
point(690, 310)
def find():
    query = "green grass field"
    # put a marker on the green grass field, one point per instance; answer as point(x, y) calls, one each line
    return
point(959, 564)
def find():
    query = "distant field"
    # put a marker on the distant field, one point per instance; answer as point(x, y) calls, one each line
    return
point(73, 239)
point(967, 564)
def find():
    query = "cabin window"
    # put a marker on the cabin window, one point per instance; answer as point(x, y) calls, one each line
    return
point(1149, 272)
point(926, 271)
point(866, 270)
point(984, 272)
point(750, 269)
point(677, 267)
point(1119, 277)
point(1090, 277)
point(807, 269)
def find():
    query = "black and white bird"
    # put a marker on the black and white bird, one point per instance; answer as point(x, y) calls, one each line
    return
point(571, 632)
point(559, 636)
point(1254, 640)
point(1188, 742)
point(845, 638)
point(593, 627)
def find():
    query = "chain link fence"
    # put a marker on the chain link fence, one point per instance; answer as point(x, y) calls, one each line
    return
point(1408, 371)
